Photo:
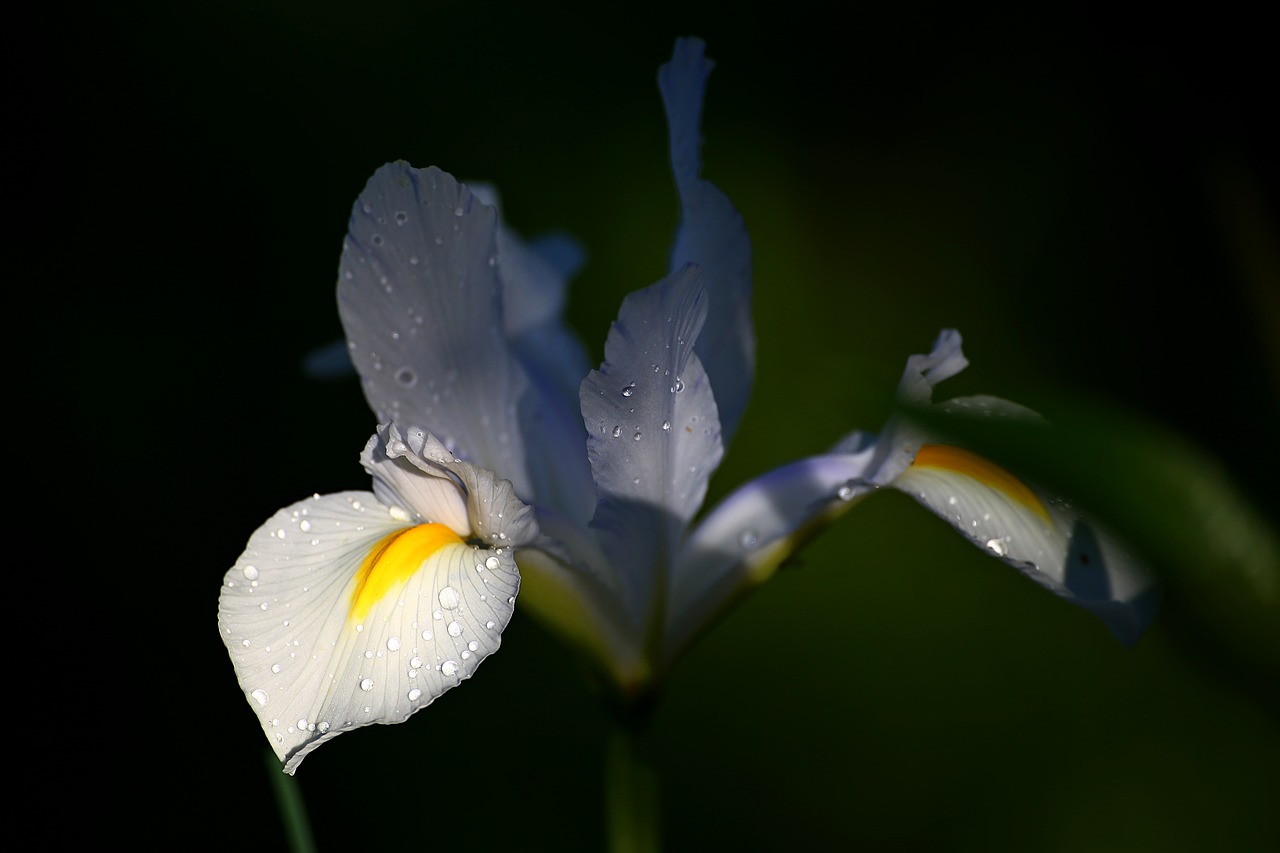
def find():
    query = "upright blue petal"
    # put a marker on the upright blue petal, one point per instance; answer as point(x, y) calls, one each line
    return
point(421, 303)
point(653, 434)
point(712, 235)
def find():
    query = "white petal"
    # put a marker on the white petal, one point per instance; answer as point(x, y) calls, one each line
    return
point(314, 661)
point(416, 472)
point(1043, 539)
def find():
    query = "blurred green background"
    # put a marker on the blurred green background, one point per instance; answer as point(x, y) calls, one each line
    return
point(1090, 200)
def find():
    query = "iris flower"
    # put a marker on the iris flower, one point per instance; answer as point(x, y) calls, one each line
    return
point(506, 470)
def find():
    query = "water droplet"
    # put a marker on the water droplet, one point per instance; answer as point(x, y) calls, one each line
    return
point(426, 635)
point(413, 259)
point(845, 492)
point(666, 425)
point(458, 211)
point(617, 431)
point(489, 624)
point(493, 562)
point(629, 390)
point(366, 684)
point(449, 598)
point(406, 377)
point(275, 667)
point(449, 667)
point(997, 546)
point(951, 501)
point(393, 644)
point(415, 694)
point(322, 727)
point(259, 696)
point(749, 540)
point(455, 629)
point(401, 217)
point(679, 386)
point(636, 436)
point(377, 239)
point(251, 572)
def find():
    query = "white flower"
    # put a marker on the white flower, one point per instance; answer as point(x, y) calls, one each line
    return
point(454, 326)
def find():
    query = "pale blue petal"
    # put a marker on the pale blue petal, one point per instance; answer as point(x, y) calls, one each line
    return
point(653, 431)
point(744, 539)
point(534, 283)
point(712, 235)
point(420, 300)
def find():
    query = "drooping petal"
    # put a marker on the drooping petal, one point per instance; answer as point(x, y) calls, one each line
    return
point(421, 304)
point(749, 534)
point(712, 235)
point(1032, 531)
point(339, 614)
point(653, 430)
point(1040, 537)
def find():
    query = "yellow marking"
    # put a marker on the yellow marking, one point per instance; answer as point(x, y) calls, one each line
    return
point(948, 458)
point(394, 560)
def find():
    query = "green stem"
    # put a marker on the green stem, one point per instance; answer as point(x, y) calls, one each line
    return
point(293, 811)
point(633, 814)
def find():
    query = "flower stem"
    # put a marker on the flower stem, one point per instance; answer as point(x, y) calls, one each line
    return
point(293, 811)
point(632, 809)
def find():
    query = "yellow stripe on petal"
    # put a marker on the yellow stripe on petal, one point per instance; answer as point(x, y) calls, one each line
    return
point(948, 458)
point(394, 560)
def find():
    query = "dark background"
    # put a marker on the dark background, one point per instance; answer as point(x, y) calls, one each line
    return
point(1091, 200)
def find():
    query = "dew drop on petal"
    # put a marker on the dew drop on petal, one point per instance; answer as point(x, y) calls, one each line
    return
point(749, 540)
point(666, 425)
point(617, 431)
point(493, 562)
point(251, 572)
point(455, 629)
point(259, 696)
point(393, 644)
point(997, 547)
point(845, 492)
point(449, 598)
point(415, 694)
point(366, 684)
point(629, 390)
point(449, 667)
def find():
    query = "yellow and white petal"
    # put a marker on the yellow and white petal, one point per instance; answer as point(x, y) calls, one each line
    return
point(1042, 538)
point(339, 614)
